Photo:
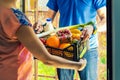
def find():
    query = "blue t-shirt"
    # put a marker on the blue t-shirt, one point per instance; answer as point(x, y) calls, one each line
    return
point(74, 12)
point(21, 17)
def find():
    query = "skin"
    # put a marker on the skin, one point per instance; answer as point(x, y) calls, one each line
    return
point(29, 39)
point(102, 19)
point(8, 3)
point(87, 31)
point(34, 45)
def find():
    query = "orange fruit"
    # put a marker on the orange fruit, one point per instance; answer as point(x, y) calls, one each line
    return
point(64, 45)
point(53, 41)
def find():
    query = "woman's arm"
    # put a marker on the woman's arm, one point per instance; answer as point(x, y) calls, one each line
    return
point(29, 39)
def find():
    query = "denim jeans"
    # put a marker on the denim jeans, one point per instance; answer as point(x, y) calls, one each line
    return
point(89, 72)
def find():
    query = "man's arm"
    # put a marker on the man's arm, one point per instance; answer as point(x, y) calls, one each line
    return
point(87, 31)
point(101, 25)
point(38, 25)
point(51, 14)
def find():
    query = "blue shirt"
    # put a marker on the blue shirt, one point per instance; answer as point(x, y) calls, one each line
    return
point(21, 17)
point(74, 12)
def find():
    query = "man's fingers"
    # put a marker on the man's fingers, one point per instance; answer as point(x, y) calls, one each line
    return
point(34, 25)
point(37, 26)
point(40, 29)
point(84, 33)
point(86, 37)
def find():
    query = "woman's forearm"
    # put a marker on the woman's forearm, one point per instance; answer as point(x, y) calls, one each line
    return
point(29, 39)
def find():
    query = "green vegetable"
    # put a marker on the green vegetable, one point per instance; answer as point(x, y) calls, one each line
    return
point(66, 27)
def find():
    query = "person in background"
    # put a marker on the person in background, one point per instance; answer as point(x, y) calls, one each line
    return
point(74, 12)
point(19, 43)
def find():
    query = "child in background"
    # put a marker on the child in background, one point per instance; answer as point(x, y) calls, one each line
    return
point(19, 43)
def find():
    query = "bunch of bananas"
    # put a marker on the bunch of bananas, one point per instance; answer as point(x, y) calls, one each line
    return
point(76, 33)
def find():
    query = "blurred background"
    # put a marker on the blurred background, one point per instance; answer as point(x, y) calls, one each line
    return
point(36, 10)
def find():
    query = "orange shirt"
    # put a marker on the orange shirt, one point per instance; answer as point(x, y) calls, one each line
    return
point(15, 59)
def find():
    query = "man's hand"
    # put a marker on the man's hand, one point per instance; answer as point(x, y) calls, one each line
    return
point(86, 32)
point(38, 27)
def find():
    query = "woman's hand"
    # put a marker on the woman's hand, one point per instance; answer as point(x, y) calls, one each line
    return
point(83, 63)
point(87, 31)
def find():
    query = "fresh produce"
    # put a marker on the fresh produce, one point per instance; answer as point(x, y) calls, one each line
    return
point(53, 41)
point(76, 33)
point(64, 35)
point(74, 41)
point(64, 32)
point(76, 36)
point(65, 42)
point(66, 27)
point(64, 45)
point(43, 40)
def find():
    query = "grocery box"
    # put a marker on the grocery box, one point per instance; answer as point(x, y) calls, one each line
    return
point(73, 52)
point(66, 34)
